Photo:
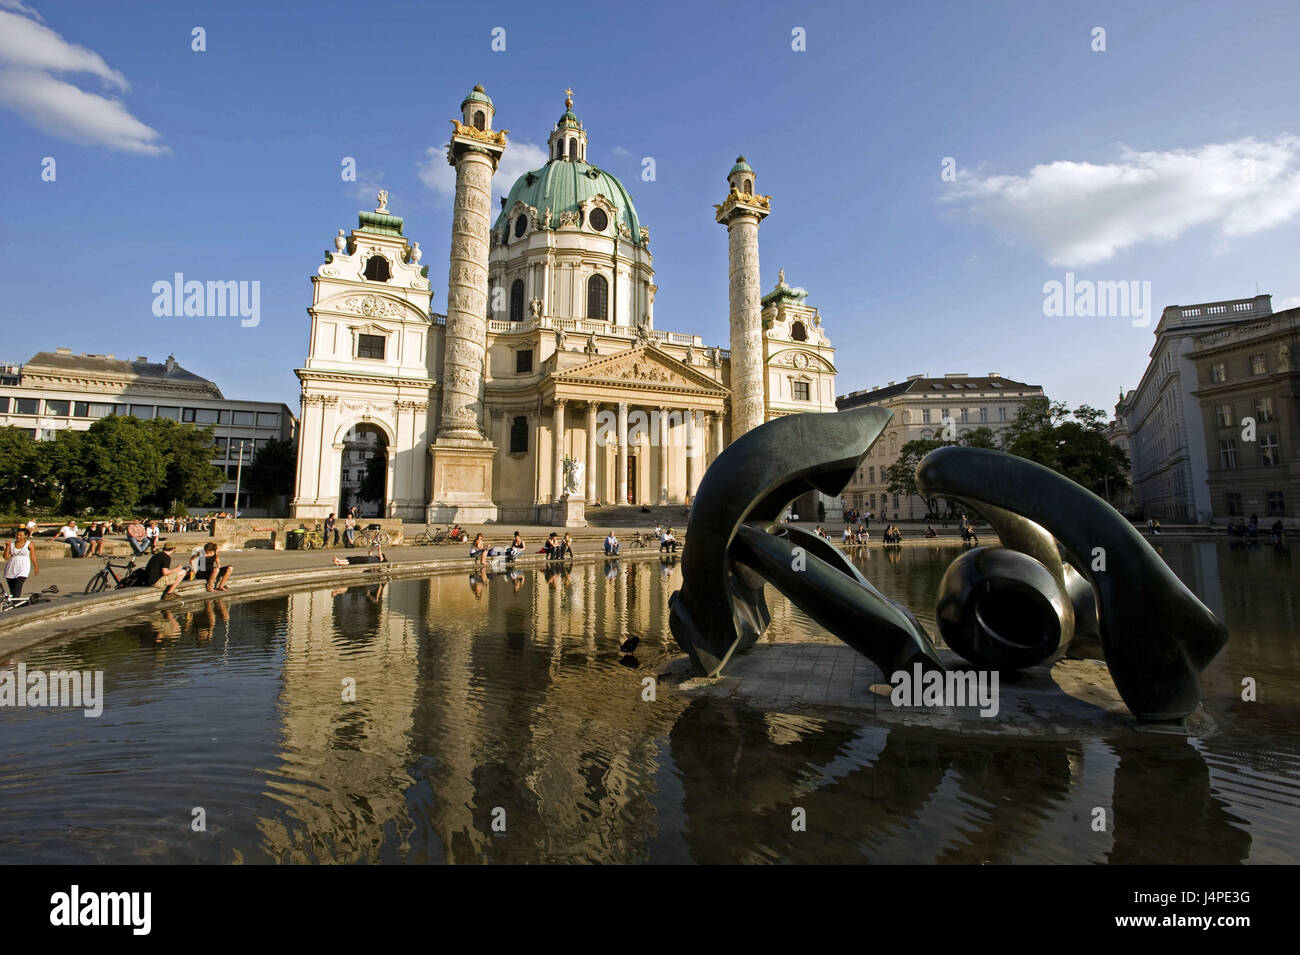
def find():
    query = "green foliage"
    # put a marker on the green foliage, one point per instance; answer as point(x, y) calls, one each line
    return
point(274, 469)
point(1070, 443)
point(117, 466)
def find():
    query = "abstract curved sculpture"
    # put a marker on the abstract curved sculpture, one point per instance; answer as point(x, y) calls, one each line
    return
point(1070, 565)
point(720, 609)
point(1156, 635)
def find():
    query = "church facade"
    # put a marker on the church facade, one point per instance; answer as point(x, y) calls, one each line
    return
point(546, 388)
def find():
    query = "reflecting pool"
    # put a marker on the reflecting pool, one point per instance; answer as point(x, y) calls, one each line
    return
point(495, 719)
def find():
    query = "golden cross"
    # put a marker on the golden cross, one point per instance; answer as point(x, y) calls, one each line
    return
point(568, 101)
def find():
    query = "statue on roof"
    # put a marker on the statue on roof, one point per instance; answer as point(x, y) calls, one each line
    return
point(416, 253)
point(383, 201)
point(780, 276)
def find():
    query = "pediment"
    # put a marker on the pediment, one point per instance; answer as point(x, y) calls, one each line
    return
point(645, 365)
point(372, 305)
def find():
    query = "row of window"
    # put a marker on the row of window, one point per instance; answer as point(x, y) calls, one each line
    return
point(229, 448)
point(1263, 407)
point(1258, 366)
point(64, 408)
point(1274, 504)
point(597, 299)
point(1270, 454)
point(869, 501)
point(963, 415)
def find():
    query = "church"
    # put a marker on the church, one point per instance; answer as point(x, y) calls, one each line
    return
point(547, 387)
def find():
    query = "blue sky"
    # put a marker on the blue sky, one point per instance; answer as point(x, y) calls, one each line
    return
point(1171, 157)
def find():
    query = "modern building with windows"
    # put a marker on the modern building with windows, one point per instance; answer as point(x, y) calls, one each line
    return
point(58, 390)
point(1167, 437)
point(1248, 383)
point(922, 408)
point(547, 381)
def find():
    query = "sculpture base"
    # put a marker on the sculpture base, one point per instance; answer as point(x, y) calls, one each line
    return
point(570, 512)
point(462, 482)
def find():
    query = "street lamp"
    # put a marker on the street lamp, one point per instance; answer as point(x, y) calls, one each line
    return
point(239, 471)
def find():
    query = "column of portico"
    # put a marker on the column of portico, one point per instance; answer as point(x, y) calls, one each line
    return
point(717, 435)
point(591, 452)
point(663, 455)
point(694, 452)
point(622, 453)
point(557, 452)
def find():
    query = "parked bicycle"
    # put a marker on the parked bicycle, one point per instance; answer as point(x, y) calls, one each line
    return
point(639, 540)
point(109, 572)
point(432, 535)
point(313, 539)
point(373, 536)
point(13, 603)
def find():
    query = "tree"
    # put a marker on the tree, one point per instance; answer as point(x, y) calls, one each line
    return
point(112, 467)
point(1072, 443)
point(24, 472)
point(901, 475)
point(274, 469)
point(189, 478)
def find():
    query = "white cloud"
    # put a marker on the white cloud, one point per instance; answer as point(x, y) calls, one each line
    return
point(30, 53)
point(1291, 301)
point(1080, 213)
point(620, 151)
point(520, 157)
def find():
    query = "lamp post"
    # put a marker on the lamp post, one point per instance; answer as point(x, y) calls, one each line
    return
point(239, 472)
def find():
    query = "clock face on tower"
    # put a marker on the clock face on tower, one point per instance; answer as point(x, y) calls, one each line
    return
point(599, 221)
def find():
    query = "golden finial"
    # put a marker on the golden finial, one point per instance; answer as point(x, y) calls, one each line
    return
point(568, 99)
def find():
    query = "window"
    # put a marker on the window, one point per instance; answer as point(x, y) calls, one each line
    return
point(259, 444)
point(268, 419)
point(1264, 409)
point(597, 297)
point(1275, 504)
point(1234, 504)
point(925, 416)
point(369, 346)
point(871, 475)
point(219, 444)
point(798, 332)
point(58, 408)
point(895, 502)
point(521, 225)
point(142, 411)
point(480, 121)
point(598, 220)
point(4, 404)
point(1228, 453)
point(984, 414)
point(519, 435)
point(524, 361)
point(1218, 372)
point(802, 391)
point(203, 415)
point(249, 418)
point(1270, 455)
point(377, 269)
point(965, 415)
point(1257, 366)
point(1002, 414)
point(1223, 415)
point(25, 405)
point(943, 414)
point(517, 300)
point(573, 149)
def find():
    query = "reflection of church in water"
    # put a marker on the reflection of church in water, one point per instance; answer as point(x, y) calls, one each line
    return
point(546, 388)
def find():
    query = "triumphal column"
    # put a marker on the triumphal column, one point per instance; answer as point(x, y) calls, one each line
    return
point(741, 212)
point(462, 454)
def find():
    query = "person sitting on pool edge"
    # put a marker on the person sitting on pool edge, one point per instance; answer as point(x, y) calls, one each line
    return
point(217, 576)
point(668, 542)
point(376, 558)
point(611, 545)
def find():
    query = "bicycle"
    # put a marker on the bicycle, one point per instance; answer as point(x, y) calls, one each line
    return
point(430, 535)
point(374, 536)
point(99, 582)
point(13, 603)
point(638, 540)
point(312, 539)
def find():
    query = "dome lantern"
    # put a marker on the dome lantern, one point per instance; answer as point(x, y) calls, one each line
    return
point(741, 177)
point(478, 110)
point(568, 140)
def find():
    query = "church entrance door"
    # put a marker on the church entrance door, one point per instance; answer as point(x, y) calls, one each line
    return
point(365, 472)
point(631, 479)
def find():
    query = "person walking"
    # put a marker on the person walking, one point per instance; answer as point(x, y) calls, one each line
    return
point(20, 562)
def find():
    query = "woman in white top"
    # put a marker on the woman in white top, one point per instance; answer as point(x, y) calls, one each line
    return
point(20, 562)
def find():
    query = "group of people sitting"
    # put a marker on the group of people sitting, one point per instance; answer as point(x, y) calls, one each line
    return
point(854, 536)
point(893, 535)
point(1250, 530)
point(204, 564)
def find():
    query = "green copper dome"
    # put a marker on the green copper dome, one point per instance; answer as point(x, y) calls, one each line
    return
point(570, 118)
point(477, 95)
point(740, 166)
point(561, 185)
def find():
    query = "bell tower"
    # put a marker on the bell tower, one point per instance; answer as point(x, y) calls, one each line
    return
point(568, 140)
